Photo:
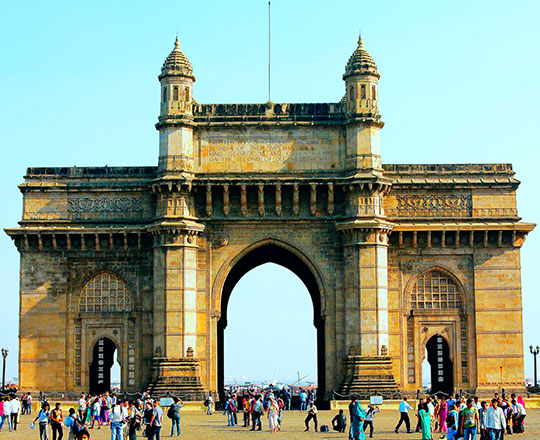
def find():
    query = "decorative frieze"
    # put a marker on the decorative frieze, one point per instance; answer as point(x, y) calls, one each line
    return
point(433, 205)
point(105, 204)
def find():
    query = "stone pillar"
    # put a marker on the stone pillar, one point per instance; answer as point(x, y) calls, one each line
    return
point(367, 368)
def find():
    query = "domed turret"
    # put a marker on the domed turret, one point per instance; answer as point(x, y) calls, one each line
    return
point(176, 116)
point(177, 63)
point(360, 62)
point(361, 79)
point(176, 80)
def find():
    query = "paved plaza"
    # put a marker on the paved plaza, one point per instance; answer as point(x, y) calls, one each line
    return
point(197, 426)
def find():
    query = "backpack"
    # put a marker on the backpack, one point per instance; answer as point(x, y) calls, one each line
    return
point(170, 412)
point(207, 401)
point(324, 428)
point(232, 406)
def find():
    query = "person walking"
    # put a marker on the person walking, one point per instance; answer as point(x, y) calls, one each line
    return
point(425, 422)
point(148, 414)
point(174, 414)
point(404, 408)
point(469, 421)
point(257, 413)
point(495, 420)
point(157, 421)
point(43, 420)
point(358, 415)
point(134, 420)
point(209, 403)
point(519, 416)
point(311, 415)
point(96, 413)
point(230, 409)
point(370, 416)
point(452, 421)
point(273, 415)
point(15, 411)
point(246, 404)
point(442, 414)
point(6, 413)
point(57, 419)
point(82, 408)
point(29, 403)
point(118, 416)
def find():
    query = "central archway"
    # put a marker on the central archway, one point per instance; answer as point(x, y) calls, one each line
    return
point(289, 257)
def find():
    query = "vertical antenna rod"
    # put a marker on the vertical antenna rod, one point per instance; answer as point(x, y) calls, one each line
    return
point(269, 49)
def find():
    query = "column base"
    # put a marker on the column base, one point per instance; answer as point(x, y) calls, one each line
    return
point(178, 377)
point(368, 375)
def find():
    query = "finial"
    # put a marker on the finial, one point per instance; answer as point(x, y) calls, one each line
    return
point(360, 43)
point(177, 43)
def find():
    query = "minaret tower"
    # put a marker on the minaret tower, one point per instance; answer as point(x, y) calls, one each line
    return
point(362, 108)
point(175, 122)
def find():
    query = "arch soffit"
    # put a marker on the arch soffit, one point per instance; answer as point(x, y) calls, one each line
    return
point(233, 259)
point(433, 334)
point(447, 271)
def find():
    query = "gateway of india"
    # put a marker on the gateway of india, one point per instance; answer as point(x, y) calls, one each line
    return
point(402, 262)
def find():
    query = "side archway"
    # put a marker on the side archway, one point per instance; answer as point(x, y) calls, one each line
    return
point(285, 255)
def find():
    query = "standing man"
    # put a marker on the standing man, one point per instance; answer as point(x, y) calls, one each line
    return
point(209, 403)
point(257, 413)
point(469, 421)
point(404, 407)
point(15, 410)
point(57, 420)
point(495, 420)
point(118, 417)
point(312, 414)
point(156, 422)
point(82, 408)
point(175, 415)
point(370, 415)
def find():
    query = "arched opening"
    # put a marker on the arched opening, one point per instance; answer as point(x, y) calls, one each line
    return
point(271, 318)
point(103, 359)
point(272, 253)
point(442, 371)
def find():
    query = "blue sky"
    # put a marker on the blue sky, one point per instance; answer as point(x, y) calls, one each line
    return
point(78, 86)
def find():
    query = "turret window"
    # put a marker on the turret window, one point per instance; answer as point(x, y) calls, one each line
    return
point(186, 94)
point(164, 94)
point(363, 91)
point(373, 92)
point(351, 93)
point(175, 93)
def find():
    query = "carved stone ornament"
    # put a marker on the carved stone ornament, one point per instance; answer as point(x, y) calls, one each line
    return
point(105, 204)
point(437, 204)
point(223, 240)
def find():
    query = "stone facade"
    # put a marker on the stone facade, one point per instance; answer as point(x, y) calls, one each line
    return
point(392, 255)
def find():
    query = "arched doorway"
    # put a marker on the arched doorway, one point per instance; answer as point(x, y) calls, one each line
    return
point(100, 368)
point(442, 371)
point(272, 253)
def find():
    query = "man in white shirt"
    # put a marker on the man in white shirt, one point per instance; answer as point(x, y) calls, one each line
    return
point(82, 408)
point(15, 410)
point(404, 407)
point(520, 414)
point(119, 414)
point(495, 420)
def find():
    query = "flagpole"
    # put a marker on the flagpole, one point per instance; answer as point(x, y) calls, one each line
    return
point(269, 50)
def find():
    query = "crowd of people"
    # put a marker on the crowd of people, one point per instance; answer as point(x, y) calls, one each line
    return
point(467, 419)
point(454, 418)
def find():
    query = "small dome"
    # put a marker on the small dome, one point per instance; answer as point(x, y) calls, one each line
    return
point(177, 63)
point(361, 63)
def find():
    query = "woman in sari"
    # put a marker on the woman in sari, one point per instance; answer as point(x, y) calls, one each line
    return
point(425, 422)
point(357, 421)
point(273, 414)
point(443, 413)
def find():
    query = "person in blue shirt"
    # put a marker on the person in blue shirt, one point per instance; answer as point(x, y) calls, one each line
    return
point(43, 417)
point(404, 407)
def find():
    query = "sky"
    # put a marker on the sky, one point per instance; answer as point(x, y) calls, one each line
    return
point(78, 86)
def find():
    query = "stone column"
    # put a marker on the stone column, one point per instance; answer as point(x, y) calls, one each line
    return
point(367, 368)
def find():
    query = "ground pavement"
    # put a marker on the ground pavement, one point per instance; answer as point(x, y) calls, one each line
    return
point(197, 426)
